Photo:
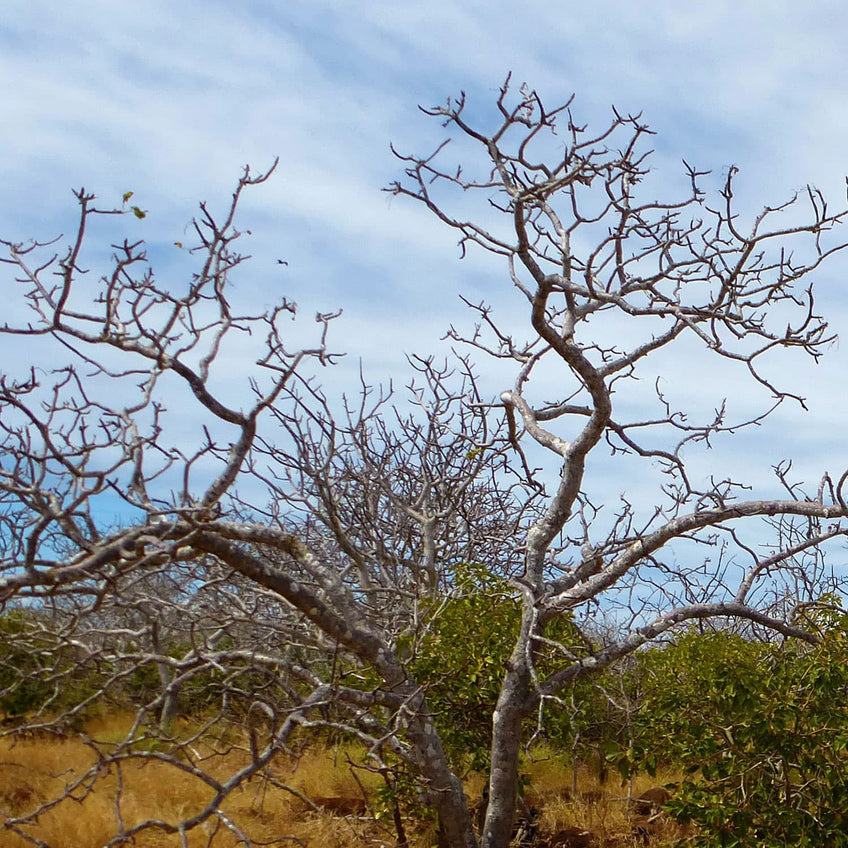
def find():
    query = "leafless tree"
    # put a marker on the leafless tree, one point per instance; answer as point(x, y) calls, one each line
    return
point(295, 553)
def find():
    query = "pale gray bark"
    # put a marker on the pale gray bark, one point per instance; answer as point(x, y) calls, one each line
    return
point(304, 605)
point(643, 262)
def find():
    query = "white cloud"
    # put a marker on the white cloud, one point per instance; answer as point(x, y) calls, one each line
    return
point(171, 100)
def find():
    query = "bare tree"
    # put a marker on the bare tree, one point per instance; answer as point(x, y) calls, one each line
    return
point(298, 552)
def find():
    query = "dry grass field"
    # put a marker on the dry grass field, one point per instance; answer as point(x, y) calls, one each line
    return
point(33, 771)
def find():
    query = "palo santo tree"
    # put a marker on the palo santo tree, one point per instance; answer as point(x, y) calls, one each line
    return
point(285, 566)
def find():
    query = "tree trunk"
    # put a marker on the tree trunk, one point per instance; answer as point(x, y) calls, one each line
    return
point(445, 788)
point(506, 746)
point(170, 693)
point(170, 708)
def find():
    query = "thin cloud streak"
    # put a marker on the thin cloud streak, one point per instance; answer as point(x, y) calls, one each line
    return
point(171, 101)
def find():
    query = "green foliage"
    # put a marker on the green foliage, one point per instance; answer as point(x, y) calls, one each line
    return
point(596, 725)
point(136, 210)
point(462, 657)
point(762, 732)
point(703, 679)
point(42, 673)
point(39, 673)
point(461, 661)
point(141, 684)
point(22, 688)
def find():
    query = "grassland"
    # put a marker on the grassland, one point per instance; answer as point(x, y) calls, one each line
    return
point(34, 771)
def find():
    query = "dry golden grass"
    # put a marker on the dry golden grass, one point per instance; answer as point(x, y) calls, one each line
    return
point(33, 772)
point(603, 809)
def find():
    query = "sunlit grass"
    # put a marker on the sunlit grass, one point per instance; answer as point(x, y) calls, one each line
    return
point(600, 807)
point(36, 771)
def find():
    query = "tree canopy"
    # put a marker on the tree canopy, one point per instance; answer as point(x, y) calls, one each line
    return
point(301, 554)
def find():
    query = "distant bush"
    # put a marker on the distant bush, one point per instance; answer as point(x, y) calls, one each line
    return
point(39, 672)
point(761, 730)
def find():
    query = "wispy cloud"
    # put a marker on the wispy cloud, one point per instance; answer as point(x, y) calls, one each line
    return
point(171, 100)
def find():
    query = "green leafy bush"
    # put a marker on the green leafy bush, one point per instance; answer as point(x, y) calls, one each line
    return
point(39, 672)
point(761, 730)
point(461, 661)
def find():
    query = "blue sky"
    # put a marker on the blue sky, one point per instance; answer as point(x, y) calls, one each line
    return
point(170, 100)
